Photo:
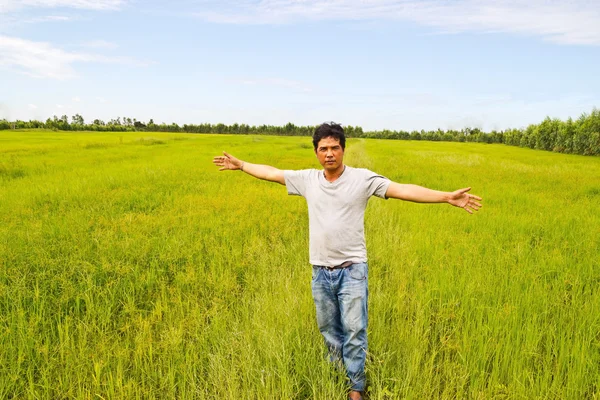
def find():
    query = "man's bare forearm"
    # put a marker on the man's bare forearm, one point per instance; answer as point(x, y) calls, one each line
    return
point(419, 194)
point(265, 172)
point(416, 193)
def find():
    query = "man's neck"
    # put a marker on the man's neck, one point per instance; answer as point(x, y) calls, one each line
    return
point(332, 176)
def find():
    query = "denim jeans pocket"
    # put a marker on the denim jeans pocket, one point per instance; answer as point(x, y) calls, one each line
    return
point(315, 273)
point(358, 271)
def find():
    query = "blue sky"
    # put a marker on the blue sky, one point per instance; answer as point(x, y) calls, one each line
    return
point(380, 64)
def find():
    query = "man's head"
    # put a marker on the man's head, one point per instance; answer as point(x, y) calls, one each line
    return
point(329, 143)
point(329, 129)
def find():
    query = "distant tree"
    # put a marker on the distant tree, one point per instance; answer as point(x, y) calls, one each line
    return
point(447, 137)
point(546, 134)
point(564, 138)
point(77, 119)
point(289, 128)
point(415, 135)
point(590, 122)
point(219, 128)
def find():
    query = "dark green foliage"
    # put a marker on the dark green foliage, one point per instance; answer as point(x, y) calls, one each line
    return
point(579, 137)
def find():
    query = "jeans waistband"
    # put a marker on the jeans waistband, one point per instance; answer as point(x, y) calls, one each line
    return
point(345, 264)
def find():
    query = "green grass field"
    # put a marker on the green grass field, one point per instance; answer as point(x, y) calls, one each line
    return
point(131, 268)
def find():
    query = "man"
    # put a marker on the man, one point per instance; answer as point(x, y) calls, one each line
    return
point(337, 197)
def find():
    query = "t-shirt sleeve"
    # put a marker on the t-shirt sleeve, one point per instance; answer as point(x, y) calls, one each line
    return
point(377, 185)
point(295, 182)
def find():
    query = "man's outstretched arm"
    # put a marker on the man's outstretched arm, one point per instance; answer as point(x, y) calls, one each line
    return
point(266, 172)
point(418, 194)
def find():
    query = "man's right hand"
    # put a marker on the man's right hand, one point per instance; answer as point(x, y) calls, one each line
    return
point(266, 172)
point(227, 161)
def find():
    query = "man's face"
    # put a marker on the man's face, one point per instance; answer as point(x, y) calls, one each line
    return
point(330, 153)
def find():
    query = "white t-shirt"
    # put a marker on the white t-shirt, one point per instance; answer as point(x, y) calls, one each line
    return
point(336, 211)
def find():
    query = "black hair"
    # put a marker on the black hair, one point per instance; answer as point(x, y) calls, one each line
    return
point(329, 129)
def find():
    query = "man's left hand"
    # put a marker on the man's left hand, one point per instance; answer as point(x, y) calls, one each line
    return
point(460, 198)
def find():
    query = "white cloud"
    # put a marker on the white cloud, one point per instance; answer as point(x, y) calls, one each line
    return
point(8, 21)
point(12, 5)
point(18, 12)
point(46, 18)
point(56, 18)
point(76, 99)
point(32, 106)
point(42, 60)
point(37, 59)
point(101, 99)
point(564, 22)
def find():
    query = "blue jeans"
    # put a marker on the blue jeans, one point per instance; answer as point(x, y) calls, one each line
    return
point(340, 297)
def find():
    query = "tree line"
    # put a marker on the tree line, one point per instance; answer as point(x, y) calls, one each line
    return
point(580, 136)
